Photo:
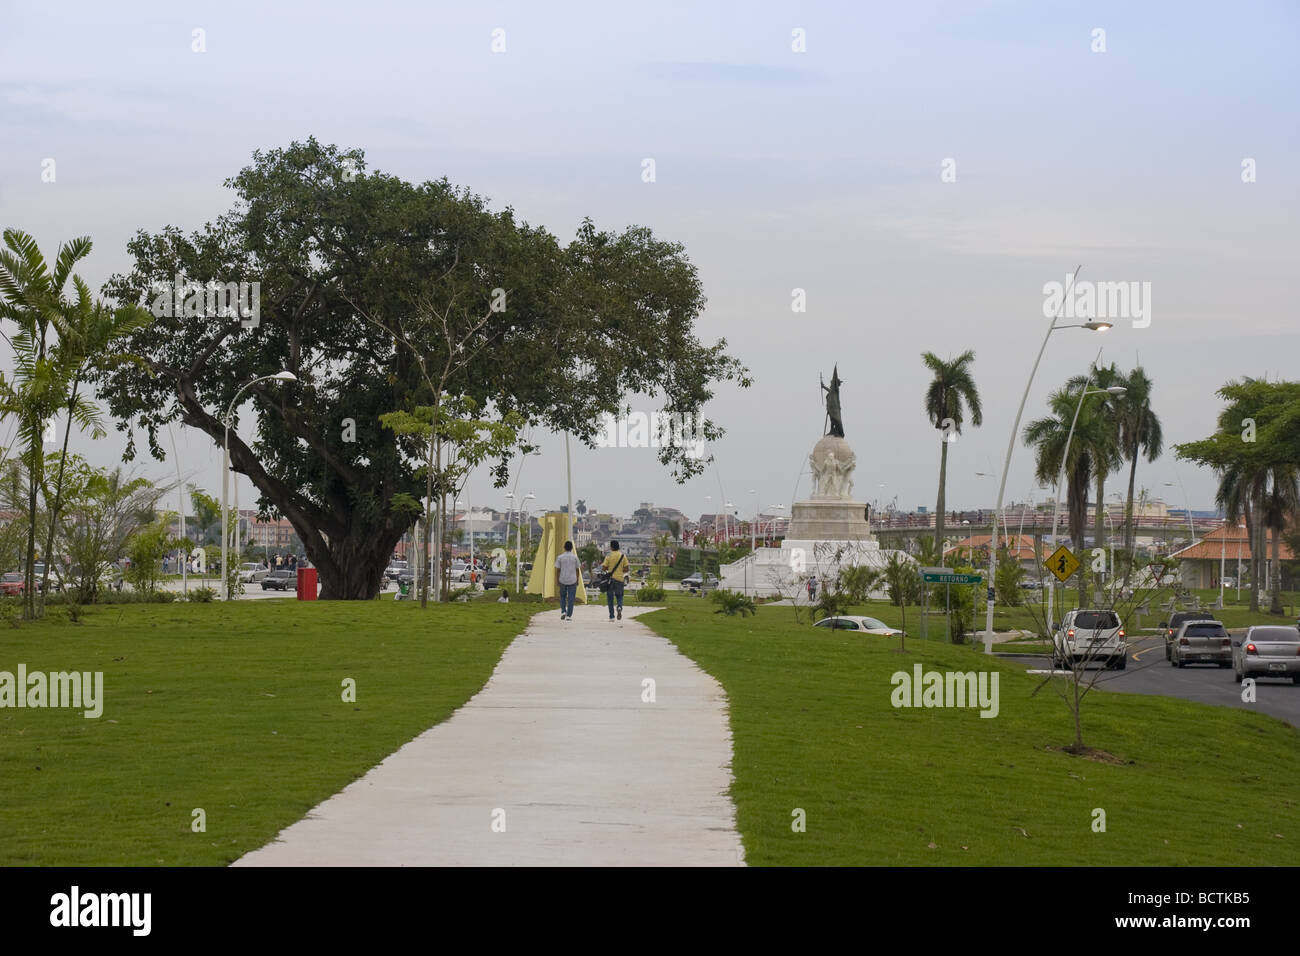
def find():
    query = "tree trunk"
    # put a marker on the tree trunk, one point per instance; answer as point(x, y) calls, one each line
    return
point(33, 479)
point(1275, 575)
point(1099, 530)
point(1130, 538)
point(941, 503)
point(58, 495)
point(1256, 550)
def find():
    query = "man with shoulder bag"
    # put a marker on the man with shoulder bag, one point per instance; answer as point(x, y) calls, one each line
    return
point(615, 571)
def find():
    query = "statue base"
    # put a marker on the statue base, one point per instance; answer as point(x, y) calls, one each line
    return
point(832, 519)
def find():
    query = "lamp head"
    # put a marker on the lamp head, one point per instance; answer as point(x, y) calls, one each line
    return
point(285, 377)
point(1117, 390)
point(1098, 326)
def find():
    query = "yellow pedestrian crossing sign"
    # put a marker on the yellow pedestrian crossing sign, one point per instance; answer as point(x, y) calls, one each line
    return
point(1062, 563)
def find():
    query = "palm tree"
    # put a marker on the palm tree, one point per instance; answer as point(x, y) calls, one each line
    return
point(1281, 502)
point(1095, 439)
point(1240, 493)
point(951, 392)
point(1106, 438)
point(92, 328)
point(31, 296)
point(1140, 435)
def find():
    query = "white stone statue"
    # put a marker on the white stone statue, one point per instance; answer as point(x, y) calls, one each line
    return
point(831, 475)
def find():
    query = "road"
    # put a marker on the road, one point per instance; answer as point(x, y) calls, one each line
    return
point(1149, 673)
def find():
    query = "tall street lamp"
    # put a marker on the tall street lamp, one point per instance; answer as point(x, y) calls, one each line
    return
point(519, 527)
point(225, 470)
point(1065, 457)
point(1011, 442)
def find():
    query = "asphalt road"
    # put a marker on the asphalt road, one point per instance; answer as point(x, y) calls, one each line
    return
point(1149, 673)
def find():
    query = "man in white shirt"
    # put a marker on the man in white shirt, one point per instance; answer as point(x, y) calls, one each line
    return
point(566, 576)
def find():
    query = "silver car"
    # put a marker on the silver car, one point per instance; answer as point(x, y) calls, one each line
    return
point(1201, 642)
point(1267, 650)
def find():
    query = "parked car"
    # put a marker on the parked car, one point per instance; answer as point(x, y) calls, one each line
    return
point(868, 625)
point(251, 572)
point(395, 569)
point(12, 584)
point(1176, 620)
point(1267, 650)
point(1201, 642)
point(281, 579)
point(699, 582)
point(1090, 636)
point(493, 579)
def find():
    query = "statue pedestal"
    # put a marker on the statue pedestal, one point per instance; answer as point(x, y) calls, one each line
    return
point(828, 533)
point(829, 520)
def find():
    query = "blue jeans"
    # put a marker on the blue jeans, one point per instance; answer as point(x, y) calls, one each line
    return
point(615, 588)
point(567, 593)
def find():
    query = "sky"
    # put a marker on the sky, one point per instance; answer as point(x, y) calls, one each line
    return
point(920, 171)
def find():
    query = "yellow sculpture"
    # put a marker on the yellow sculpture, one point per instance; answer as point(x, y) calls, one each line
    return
point(541, 580)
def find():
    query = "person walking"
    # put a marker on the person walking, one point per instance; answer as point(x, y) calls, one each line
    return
point(812, 587)
point(615, 565)
point(566, 577)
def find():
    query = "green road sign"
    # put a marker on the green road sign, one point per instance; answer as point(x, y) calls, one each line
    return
point(949, 576)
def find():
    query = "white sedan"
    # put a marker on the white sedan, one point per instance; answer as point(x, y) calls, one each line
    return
point(252, 573)
point(866, 625)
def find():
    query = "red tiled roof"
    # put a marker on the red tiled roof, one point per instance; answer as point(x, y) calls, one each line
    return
point(1229, 543)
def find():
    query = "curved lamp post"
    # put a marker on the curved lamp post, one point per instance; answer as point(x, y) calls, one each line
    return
point(225, 470)
point(1011, 443)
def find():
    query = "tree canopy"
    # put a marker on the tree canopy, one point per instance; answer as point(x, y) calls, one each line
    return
point(345, 258)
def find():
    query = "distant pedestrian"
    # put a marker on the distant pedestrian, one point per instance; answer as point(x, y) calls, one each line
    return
point(812, 587)
point(567, 568)
point(616, 566)
point(505, 598)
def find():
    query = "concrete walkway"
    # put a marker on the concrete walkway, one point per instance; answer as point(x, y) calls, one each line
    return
point(560, 746)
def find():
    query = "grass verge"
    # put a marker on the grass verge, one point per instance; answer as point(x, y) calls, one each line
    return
point(814, 730)
point(233, 708)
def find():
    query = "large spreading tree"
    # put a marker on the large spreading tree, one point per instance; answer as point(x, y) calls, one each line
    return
point(354, 266)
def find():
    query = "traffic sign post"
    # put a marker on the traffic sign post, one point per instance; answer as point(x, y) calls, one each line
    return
point(949, 576)
point(1062, 563)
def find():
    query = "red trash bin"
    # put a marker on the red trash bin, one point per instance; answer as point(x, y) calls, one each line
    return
point(306, 584)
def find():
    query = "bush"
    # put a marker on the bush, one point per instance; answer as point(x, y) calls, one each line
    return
point(831, 604)
point(650, 592)
point(732, 602)
point(201, 595)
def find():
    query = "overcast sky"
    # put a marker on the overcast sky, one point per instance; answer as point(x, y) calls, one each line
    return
point(820, 170)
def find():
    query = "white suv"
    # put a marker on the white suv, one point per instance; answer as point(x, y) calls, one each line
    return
point(1088, 636)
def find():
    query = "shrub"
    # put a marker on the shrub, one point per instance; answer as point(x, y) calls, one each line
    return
point(832, 604)
point(732, 602)
point(650, 592)
point(201, 595)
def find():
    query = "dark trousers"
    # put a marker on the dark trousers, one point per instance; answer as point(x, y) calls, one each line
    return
point(615, 588)
point(567, 593)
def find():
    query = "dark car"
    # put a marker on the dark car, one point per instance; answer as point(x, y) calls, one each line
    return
point(700, 582)
point(280, 579)
point(493, 579)
point(1176, 621)
point(1201, 642)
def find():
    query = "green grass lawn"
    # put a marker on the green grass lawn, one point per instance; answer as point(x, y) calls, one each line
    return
point(233, 708)
point(814, 729)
